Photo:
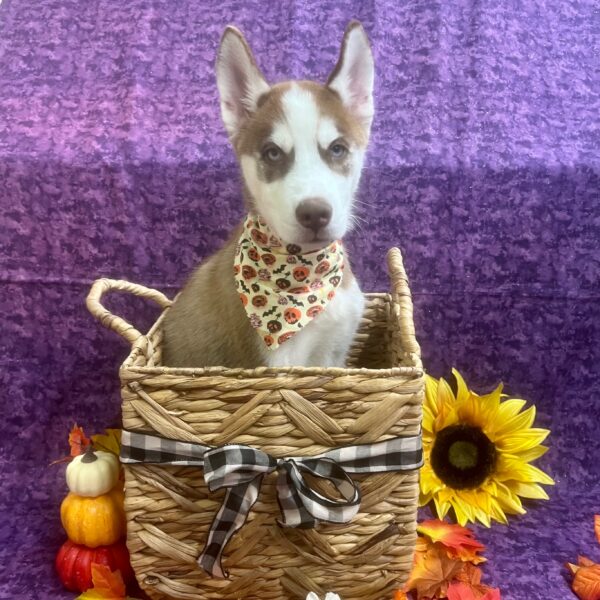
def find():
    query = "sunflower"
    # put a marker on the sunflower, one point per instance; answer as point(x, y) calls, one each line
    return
point(477, 453)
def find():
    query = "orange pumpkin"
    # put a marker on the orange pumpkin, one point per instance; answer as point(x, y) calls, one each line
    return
point(94, 522)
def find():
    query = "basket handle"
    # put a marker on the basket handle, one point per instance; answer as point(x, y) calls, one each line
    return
point(110, 321)
point(402, 296)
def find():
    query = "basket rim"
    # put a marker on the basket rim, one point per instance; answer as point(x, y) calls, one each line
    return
point(414, 370)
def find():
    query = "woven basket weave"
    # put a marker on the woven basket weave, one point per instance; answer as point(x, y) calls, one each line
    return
point(285, 412)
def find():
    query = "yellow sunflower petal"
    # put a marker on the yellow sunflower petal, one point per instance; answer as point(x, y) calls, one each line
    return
point(509, 502)
point(430, 483)
point(520, 421)
point(532, 454)
point(462, 509)
point(529, 490)
point(492, 400)
point(431, 386)
point(510, 408)
point(428, 419)
point(511, 468)
point(496, 512)
point(441, 507)
point(527, 439)
point(446, 413)
point(462, 391)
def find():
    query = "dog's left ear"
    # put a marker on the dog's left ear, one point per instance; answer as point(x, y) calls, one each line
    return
point(353, 75)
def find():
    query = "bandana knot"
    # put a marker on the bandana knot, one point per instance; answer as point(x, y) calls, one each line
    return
point(282, 288)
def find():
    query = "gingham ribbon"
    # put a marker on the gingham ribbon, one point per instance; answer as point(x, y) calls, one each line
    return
point(240, 470)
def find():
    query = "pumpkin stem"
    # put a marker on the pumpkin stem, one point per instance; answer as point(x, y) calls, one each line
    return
point(88, 455)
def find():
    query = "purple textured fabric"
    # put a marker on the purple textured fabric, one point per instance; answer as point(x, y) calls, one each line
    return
point(483, 167)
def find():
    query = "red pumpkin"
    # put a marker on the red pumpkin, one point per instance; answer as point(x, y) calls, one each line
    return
point(74, 563)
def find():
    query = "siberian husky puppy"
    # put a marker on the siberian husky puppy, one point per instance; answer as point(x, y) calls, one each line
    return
point(281, 291)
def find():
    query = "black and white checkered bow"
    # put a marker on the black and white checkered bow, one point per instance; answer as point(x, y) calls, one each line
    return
point(240, 470)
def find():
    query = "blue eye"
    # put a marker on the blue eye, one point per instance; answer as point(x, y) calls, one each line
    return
point(272, 153)
point(338, 150)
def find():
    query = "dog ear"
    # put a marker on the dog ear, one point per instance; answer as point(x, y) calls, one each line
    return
point(353, 75)
point(239, 79)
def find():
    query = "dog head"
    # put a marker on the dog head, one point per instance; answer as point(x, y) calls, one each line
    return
point(300, 144)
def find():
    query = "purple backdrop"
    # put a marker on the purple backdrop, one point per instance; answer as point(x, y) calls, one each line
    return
point(484, 168)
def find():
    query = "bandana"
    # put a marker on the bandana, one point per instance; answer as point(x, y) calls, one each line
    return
point(282, 288)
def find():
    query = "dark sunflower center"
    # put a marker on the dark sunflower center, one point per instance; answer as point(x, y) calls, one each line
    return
point(463, 456)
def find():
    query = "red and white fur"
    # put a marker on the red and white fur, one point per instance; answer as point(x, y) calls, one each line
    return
point(301, 147)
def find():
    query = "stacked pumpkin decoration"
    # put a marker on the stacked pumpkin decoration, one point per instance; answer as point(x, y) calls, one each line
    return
point(93, 516)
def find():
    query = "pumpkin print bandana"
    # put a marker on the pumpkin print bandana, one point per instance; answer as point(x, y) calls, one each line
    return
point(282, 288)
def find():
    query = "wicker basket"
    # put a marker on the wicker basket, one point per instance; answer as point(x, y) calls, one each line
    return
point(284, 412)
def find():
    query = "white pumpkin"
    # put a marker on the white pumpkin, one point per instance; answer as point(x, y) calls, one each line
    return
point(93, 473)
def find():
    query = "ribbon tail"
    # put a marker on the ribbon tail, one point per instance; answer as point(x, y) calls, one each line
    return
point(232, 515)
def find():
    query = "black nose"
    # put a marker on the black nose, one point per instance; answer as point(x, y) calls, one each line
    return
point(313, 213)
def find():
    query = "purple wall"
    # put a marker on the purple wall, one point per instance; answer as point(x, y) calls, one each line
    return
point(484, 167)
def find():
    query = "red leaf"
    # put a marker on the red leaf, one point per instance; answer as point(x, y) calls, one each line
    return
point(78, 440)
point(463, 591)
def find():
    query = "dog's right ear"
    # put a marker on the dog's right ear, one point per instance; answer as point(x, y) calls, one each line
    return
point(239, 80)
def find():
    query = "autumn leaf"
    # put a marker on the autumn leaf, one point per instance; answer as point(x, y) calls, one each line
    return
point(586, 583)
point(597, 527)
point(463, 591)
point(470, 574)
point(432, 573)
point(107, 584)
point(400, 595)
point(459, 541)
point(109, 441)
point(78, 440)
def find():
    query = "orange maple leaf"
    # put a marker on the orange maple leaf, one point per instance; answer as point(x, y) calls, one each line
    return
point(78, 441)
point(586, 583)
point(463, 591)
point(597, 527)
point(400, 595)
point(432, 573)
point(107, 584)
point(459, 541)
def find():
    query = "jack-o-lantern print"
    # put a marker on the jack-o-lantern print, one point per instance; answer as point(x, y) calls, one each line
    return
point(274, 326)
point(259, 301)
point(259, 237)
point(292, 315)
point(300, 273)
point(248, 272)
point(313, 311)
point(269, 259)
point(323, 267)
point(284, 337)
